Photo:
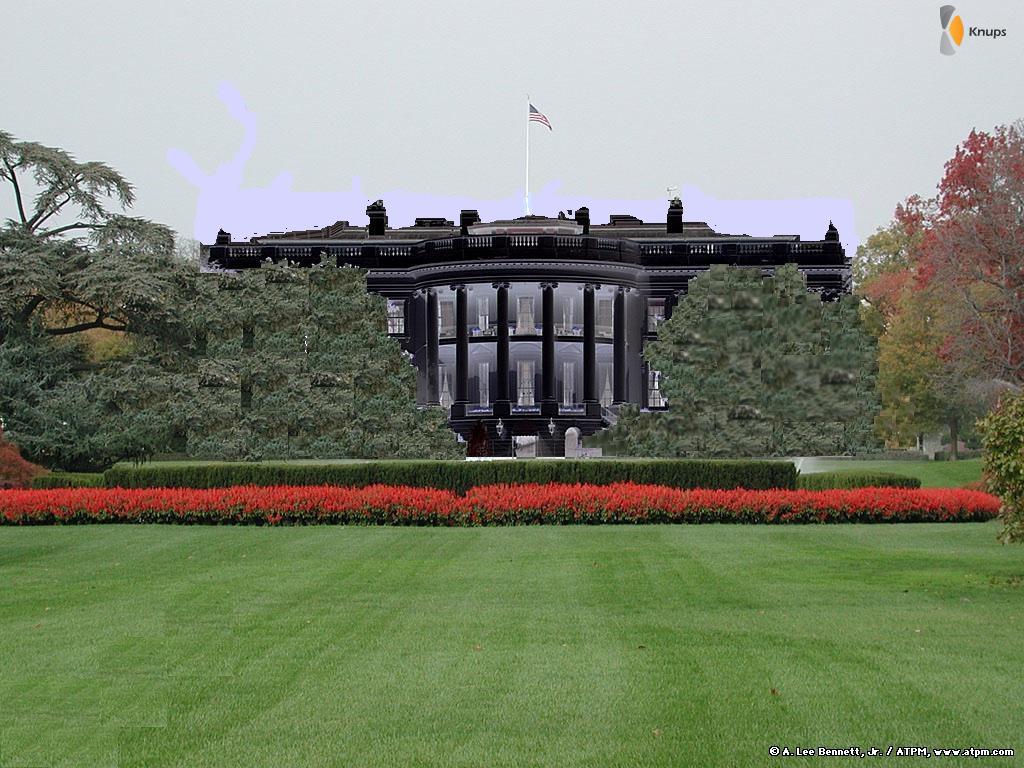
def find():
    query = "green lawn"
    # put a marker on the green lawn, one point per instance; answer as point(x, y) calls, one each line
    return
point(933, 474)
point(543, 646)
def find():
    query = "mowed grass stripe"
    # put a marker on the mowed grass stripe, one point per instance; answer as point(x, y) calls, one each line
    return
point(586, 646)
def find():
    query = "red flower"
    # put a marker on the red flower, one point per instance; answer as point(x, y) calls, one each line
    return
point(491, 505)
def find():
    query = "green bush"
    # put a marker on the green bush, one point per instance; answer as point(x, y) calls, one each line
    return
point(1003, 435)
point(855, 478)
point(459, 476)
point(69, 480)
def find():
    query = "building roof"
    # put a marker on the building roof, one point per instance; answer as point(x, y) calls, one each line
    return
point(619, 227)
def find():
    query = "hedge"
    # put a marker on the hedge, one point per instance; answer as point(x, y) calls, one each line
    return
point(460, 476)
point(69, 480)
point(855, 478)
point(558, 504)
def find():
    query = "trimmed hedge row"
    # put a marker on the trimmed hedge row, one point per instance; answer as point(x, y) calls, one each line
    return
point(460, 476)
point(69, 480)
point(855, 478)
point(618, 503)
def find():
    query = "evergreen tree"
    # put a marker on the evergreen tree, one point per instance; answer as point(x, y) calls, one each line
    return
point(757, 366)
point(297, 364)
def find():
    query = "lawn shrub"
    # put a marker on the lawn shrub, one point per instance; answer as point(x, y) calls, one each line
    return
point(69, 480)
point(550, 503)
point(820, 481)
point(459, 476)
point(15, 472)
point(1003, 434)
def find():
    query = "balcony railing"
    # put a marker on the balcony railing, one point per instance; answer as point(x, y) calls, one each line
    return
point(474, 247)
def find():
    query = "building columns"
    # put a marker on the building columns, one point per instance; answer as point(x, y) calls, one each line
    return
point(548, 347)
point(589, 346)
point(619, 347)
point(433, 397)
point(502, 396)
point(670, 304)
point(461, 345)
point(636, 382)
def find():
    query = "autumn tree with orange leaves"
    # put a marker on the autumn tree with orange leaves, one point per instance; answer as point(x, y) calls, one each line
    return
point(943, 286)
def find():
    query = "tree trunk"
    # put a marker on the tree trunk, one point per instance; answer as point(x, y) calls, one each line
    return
point(954, 438)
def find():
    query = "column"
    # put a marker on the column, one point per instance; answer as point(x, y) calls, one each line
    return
point(589, 346)
point(548, 344)
point(461, 345)
point(418, 343)
point(619, 347)
point(670, 304)
point(433, 396)
point(636, 382)
point(501, 393)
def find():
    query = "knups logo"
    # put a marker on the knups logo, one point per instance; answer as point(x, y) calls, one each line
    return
point(952, 29)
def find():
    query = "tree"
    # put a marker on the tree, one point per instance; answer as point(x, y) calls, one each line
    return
point(757, 366)
point(943, 287)
point(89, 310)
point(1003, 431)
point(67, 264)
point(298, 364)
point(974, 251)
point(15, 472)
point(883, 264)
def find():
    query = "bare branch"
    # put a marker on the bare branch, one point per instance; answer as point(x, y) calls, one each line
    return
point(28, 309)
point(37, 221)
point(67, 228)
point(17, 190)
point(97, 323)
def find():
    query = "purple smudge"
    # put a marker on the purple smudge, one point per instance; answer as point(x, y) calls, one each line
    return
point(224, 204)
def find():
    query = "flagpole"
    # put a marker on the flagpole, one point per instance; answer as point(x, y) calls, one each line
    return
point(527, 198)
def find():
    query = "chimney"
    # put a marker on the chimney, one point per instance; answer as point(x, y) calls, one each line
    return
point(467, 217)
point(583, 219)
point(378, 218)
point(223, 238)
point(675, 216)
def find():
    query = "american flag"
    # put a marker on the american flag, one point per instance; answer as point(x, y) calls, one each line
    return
point(539, 117)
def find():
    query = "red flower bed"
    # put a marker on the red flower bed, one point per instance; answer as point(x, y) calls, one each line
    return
point(490, 505)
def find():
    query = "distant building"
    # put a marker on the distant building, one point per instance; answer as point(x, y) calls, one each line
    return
point(535, 326)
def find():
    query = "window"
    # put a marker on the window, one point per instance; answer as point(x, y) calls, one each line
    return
point(568, 317)
point(655, 398)
point(483, 372)
point(605, 317)
point(444, 374)
point(655, 314)
point(446, 317)
point(568, 383)
point(248, 336)
point(396, 317)
point(607, 395)
point(524, 381)
point(483, 314)
point(524, 316)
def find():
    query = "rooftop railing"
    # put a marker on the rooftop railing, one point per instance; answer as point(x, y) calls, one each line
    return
point(498, 247)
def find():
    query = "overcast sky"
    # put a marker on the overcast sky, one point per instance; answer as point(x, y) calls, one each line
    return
point(844, 100)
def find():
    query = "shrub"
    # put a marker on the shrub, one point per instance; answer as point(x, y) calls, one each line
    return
point(855, 478)
point(459, 476)
point(15, 472)
point(622, 503)
point(69, 480)
point(1003, 436)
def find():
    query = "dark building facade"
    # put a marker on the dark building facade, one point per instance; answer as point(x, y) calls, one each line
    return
point(534, 326)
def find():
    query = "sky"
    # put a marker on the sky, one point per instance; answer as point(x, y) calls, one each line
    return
point(770, 118)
